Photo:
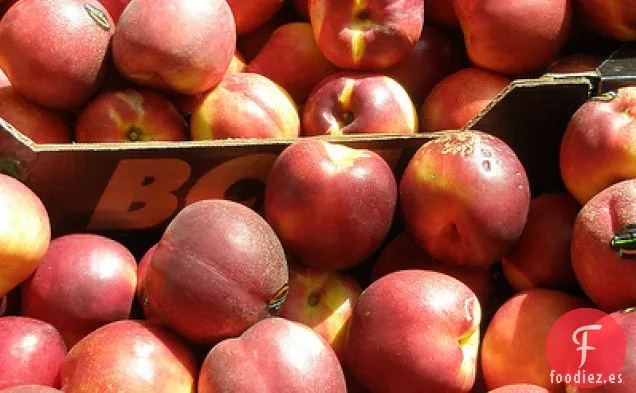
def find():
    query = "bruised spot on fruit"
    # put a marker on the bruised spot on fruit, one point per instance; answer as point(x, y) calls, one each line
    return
point(462, 143)
point(98, 16)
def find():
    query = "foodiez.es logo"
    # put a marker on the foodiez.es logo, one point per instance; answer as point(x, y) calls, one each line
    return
point(585, 348)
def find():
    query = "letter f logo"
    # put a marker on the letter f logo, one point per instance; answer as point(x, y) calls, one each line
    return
point(583, 343)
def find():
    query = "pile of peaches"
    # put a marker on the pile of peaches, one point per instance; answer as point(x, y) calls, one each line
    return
point(447, 277)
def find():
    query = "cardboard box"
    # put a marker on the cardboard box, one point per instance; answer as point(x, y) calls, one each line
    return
point(135, 189)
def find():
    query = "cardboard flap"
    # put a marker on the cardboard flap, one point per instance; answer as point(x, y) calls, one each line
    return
point(531, 116)
point(619, 70)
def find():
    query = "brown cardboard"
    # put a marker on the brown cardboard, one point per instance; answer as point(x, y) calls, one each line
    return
point(136, 188)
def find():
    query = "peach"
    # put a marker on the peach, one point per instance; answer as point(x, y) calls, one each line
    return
point(518, 333)
point(152, 52)
point(465, 198)
point(625, 379)
point(84, 281)
point(358, 103)
point(514, 38)
point(31, 352)
point(54, 52)
point(612, 18)
point(460, 97)
point(401, 253)
point(207, 294)
point(30, 389)
point(130, 115)
point(130, 356)
point(285, 356)
point(352, 191)
point(25, 232)
point(597, 148)
point(324, 301)
point(245, 105)
point(248, 15)
point(413, 329)
point(601, 247)
point(434, 56)
point(368, 34)
point(541, 257)
point(40, 124)
point(292, 59)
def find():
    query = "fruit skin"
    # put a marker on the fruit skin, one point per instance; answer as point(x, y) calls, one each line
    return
point(40, 124)
point(413, 329)
point(520, 388)
point(612, 18)
point(353, 191)
point(597, 148)
point(53, 52)
point(115, 7)
point(517, 334)
point(245, 105)
point(358, 103)
point(541, 257)
point(604, 276)
point(373, 34)
point(465, 198)
point(25, 232)
point(286, 356)
point(142, 268)
point(84, 281)
point(186, 103)
point(248, 15)
point(31, 352)
point(188, 55)
point(434, 56)
point(30, 389)
point(130, 115)
point(402, 254)
point(626, 319)
point(324, 301)
point(514, 38)
point(292, 59)
point(459, 97)
point(190, 283)
point(130, 356)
